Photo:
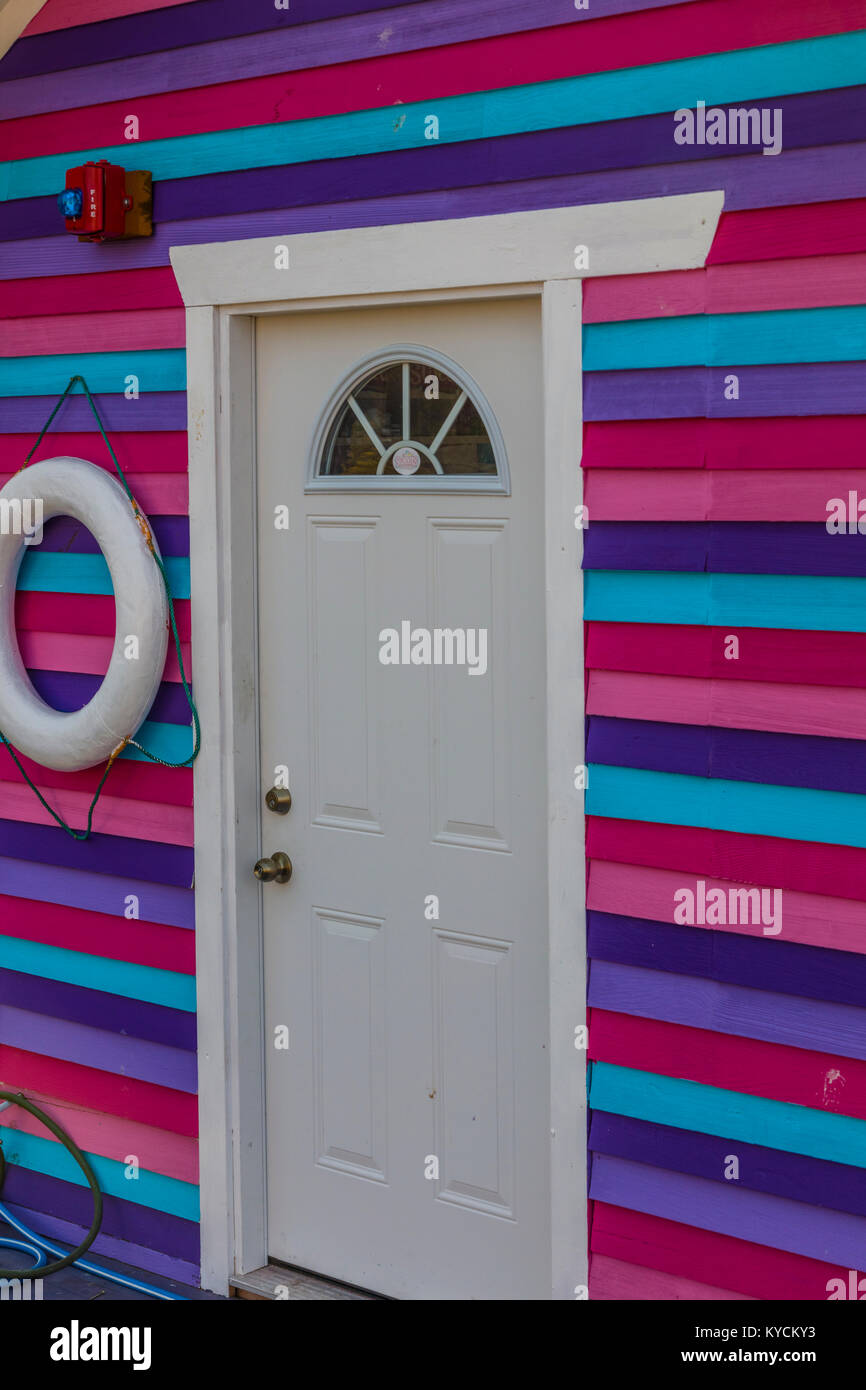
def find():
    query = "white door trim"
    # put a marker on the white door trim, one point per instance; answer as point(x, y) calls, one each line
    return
point(224, 287)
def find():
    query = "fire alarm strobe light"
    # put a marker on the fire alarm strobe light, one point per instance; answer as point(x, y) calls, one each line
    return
point(104, 202)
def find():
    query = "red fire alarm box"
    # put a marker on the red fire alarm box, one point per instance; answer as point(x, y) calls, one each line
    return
point(104, 202)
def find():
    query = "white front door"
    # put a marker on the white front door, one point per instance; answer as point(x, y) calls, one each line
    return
point(406, 969)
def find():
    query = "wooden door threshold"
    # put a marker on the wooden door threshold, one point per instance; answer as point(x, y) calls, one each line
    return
point(272, 1280)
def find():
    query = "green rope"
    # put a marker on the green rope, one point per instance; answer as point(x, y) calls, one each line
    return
point(196, 724)
point(40, 1271)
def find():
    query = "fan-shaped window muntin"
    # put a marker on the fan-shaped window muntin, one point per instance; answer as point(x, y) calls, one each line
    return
point(408, 418)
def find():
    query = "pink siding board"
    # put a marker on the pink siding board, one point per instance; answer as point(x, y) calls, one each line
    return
point(838, 924)
point(674, 1248)
point(158, 494)
point(157, 1150)
point(734, 289)
point(63, 651)
point(114, 815)
point(109, 332)
point(825, 711)
point(638, 494)
point(618, 1281)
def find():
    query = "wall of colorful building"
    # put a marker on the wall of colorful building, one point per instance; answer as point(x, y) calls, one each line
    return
point(725, 624)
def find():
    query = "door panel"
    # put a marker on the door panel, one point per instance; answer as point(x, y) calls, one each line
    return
point(470, 734)
point(408, 1120)
point(351, 1102)
point(343, 731)
point(474, 1047)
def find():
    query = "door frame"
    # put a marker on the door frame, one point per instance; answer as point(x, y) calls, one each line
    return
point(225, 287)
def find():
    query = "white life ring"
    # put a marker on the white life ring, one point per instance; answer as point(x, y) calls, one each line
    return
point(70, 742)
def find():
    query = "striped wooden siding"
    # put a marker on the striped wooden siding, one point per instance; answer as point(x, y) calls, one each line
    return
point(706, 519)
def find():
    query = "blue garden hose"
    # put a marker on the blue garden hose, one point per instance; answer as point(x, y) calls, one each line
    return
point(38, 1246)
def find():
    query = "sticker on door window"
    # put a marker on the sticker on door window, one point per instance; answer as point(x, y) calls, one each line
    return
point(407, 461)
point(409, 414)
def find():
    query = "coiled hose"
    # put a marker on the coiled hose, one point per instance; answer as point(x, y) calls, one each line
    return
point(38, 1246)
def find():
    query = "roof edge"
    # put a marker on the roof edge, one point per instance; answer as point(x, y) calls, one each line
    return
point(15, 15)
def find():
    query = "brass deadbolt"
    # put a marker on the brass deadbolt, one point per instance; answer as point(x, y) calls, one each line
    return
point(279, 799)
point(275, 869)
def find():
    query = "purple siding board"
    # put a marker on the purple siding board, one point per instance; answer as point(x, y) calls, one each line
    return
point(818, 1233)
point(66, 534)
point(68, 691)
point(88, 1046)
point(110, 854)
point(160, 31)
point(154, 410)
point(816, 118)
point(738, 755)
point(756, 962)
point(134, 1257)
point(96, 892)
point(796, 1176)
point(113, 1013)
point(798, 176)
point(126, 1220)
point(427, 25)
point(723, 547)
point(724, 1008)
point(674, 393)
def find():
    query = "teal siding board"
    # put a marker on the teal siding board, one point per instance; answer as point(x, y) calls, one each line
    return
point(774, 70)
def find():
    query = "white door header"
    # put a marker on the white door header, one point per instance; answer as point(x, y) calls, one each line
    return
point(520, 248)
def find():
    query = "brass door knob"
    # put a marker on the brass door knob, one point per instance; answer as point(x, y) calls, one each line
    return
point(279, 799)
point(275, 869)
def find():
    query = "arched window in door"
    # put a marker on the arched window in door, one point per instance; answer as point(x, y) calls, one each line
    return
point(409, 419)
